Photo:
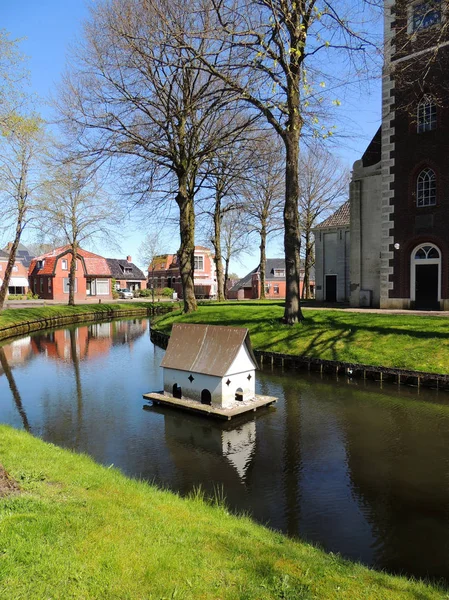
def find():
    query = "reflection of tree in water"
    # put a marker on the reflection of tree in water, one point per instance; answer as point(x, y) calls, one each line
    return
point(292, 455)
point(397, 456)
point(124, 332)
point(79, 391)
point(14, 389)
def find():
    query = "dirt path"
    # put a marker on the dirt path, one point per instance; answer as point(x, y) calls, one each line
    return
point(7, 484)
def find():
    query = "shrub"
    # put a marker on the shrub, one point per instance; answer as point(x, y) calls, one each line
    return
point(168, 292)
point(146, 293)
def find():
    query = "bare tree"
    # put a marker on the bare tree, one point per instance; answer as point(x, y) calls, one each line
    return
point(234, 238)
point(281, 56)
point(22, 148)
point(323, 187)
point(75, 207)
point(135, 94)
point(12, 76)
point(263, 194)
point(226, 173)
point(149, 249)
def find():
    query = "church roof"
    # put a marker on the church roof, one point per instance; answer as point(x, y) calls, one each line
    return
point(205, 349)
point(340, 218)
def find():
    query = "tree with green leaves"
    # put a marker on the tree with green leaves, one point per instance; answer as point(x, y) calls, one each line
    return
point(23, 145)
point(289, 59)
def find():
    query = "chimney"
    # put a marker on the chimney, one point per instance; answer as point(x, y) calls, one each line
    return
point(129, 259)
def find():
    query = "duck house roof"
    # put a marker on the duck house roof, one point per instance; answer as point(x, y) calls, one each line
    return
point(205, 349)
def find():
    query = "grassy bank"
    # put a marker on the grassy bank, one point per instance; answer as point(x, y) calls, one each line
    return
point(413, 342)
point(78, 530)
point(19, 321)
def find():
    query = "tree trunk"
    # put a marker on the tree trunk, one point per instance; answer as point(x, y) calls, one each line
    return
point(292, 244)
point(11, 259)
point(226, 273)
point(307, 263)
point(216, 241)
point(72, 274)
point(263, 259)
point(14, 389)
point(186, 251)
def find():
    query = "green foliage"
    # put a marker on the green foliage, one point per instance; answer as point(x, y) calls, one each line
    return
point(404, 341)
point(145, 293)
point(167, 292)
point(81, 531)
point(115, 294)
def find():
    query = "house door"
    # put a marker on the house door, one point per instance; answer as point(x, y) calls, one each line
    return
point(426, 277)
point(331, 288)
point(426, 294)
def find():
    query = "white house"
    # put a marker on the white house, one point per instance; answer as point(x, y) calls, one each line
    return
point(210, 364)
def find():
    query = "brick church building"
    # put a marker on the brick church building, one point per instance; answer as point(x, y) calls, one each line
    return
point(399, 193)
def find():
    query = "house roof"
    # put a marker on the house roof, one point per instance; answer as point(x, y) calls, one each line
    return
point(4, 254)
point(163, 262)
point(95, 265)
point(205, 349)
point(22, 253)
point(340, 218)
point(373, 153)
point(117, 266)
point(270, 265)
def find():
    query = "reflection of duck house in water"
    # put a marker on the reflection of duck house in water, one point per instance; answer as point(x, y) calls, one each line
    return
point(211, 370)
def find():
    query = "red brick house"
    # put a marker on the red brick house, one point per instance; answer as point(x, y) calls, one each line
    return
point(275, 282)
point(164, 272)
point(18, 283)
point(49, 275)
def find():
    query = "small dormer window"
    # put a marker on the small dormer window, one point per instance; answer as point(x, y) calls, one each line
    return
point(199, 263)
point(425, 14)
point(128, 270)
point(279, 272)
point(64, 264)
point(40, 264)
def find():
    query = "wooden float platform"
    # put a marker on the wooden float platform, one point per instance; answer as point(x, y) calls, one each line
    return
point(238, 408)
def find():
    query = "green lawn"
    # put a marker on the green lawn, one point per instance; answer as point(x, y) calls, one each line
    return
point(391, 340)
point(83, 531)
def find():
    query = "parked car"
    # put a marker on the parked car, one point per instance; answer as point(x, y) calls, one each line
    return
point(125, 293)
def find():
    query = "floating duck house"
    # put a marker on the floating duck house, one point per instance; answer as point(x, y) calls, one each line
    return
point(210, 369)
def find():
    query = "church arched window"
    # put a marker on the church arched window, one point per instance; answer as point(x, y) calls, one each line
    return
point(426, 188)
point(426, 117)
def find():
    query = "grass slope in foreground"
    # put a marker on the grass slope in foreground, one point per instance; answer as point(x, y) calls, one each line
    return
point(79, 530)
point(413, 342)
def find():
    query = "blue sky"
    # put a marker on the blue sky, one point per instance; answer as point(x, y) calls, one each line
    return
point(50, 26)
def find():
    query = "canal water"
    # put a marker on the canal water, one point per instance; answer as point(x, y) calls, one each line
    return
point(356, 468)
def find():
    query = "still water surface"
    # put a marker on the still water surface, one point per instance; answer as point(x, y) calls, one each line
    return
point(353, 467)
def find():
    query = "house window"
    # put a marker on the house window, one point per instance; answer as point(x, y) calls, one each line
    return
point(199, 263)
point(102, 287)
point(279, 272)
point(41, 284)
point(275, 289)
point(15, 268)
point(40, 264)
point(426, 115)
point(64, 265)
point(128, 270)
point(425, 14)
point(66, 285)
point(426, 188)
point(49, 284)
